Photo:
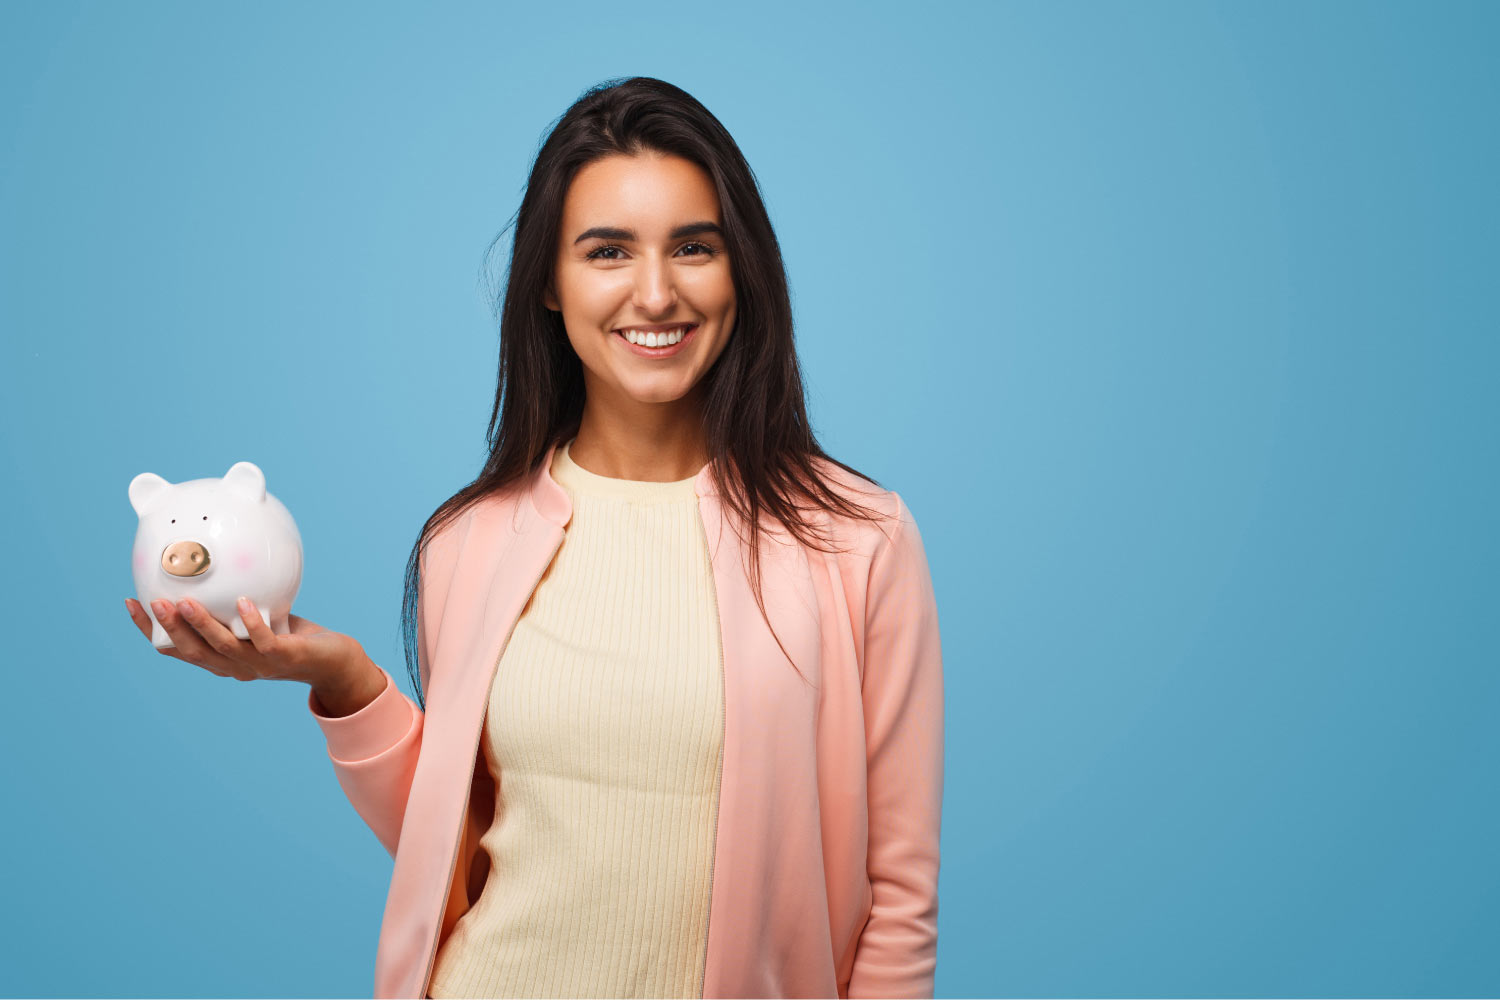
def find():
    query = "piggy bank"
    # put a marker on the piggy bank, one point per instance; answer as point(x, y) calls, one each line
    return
point(215, 540)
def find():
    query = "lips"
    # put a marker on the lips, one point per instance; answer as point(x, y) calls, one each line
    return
point(658, 352)
point(687, 327)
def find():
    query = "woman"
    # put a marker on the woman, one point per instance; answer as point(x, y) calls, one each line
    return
point(678, 716)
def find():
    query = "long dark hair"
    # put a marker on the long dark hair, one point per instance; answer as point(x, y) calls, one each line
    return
point(762, 451)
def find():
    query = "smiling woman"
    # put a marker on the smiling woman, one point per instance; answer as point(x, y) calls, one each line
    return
point(653, 281)
point(678, 714)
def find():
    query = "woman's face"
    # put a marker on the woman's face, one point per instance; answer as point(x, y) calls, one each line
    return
point(641, 249)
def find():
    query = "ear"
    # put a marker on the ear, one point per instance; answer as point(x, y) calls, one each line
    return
point(549, 300)
point(246, 479)
point(144, 488)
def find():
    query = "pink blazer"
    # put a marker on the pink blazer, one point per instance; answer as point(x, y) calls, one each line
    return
point(825, 863)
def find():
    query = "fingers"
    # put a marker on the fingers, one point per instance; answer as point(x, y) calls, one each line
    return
point(210, 628)
point(139, 616)
point(143, 622)
point(260, 633)
point(192, 644)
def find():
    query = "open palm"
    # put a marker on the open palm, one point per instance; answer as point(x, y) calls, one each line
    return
point(309, 652)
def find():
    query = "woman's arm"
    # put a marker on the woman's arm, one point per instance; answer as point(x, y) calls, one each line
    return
point(903, 703)
point(374, 749)
point(374, 753)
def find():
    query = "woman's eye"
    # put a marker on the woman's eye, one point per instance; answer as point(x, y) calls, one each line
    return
point(599, 253)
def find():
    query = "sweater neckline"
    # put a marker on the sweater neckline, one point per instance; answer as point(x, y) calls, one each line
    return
point(581, 482)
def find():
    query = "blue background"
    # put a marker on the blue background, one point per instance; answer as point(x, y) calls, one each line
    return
point(1174, 324)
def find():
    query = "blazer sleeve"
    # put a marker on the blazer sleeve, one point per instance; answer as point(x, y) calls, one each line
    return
point(902, 687)
point(374, 751)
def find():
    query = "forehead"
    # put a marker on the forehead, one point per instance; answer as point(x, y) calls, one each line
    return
point(645, 192)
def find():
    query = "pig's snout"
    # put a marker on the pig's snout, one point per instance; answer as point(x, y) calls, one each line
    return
point(185, 558)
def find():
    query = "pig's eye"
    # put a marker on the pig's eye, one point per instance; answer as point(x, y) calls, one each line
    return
point(205, 517)
point(174, 520)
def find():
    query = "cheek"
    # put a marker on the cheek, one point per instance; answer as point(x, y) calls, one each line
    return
point(595, 295)
point(712, 290)
point(243, 561)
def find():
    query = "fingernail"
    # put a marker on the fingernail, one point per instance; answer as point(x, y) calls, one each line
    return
point(160, 607)
point(244, 603)
point(187, 609)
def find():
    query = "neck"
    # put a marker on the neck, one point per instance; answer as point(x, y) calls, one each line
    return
point(658, 451)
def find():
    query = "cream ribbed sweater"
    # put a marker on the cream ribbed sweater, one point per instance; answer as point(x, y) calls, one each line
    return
point(603, 734)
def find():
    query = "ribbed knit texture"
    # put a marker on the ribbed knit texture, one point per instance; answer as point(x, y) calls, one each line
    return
point(603, 733)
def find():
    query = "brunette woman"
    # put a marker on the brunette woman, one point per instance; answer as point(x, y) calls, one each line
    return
point(678, 709)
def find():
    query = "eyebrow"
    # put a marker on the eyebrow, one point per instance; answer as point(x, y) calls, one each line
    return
point(616, 233)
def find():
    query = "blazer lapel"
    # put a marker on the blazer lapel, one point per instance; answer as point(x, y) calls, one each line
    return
point(506, 548)
point(764, 911)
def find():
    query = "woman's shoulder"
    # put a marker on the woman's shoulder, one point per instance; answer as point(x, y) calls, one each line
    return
point(882, 509)
point(445, 539)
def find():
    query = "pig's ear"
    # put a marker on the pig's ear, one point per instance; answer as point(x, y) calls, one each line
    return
point(246, 479)
point(144, 489)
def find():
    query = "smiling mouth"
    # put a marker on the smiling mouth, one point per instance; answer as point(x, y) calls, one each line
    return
point(658, 338)
point(663, 350)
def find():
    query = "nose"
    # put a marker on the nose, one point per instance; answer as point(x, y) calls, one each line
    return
point(184, 558)
point(655, 292)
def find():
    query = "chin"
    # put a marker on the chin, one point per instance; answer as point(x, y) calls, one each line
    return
point(649, 394)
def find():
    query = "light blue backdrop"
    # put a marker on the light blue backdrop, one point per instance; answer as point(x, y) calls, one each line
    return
point(1174, 323)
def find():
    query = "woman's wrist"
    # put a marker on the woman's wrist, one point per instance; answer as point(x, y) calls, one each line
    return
point(354, 687)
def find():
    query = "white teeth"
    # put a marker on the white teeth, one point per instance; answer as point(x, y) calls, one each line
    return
point(656, 339)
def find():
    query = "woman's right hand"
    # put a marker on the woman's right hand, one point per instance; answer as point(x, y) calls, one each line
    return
point(310, 653)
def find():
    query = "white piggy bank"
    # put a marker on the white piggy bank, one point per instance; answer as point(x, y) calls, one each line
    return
point(215, 540)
